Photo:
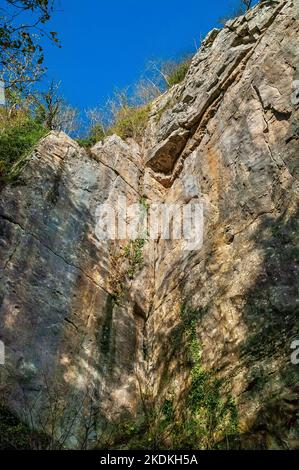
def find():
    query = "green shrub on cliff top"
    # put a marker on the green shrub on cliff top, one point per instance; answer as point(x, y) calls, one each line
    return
point(130, 122)
point(16, 141)
point(127, 113)
point(178, 72)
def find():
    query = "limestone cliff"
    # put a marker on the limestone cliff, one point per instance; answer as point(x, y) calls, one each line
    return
point(97, 333)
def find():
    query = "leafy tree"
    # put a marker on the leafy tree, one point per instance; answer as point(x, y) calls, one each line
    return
point(22, 25)
point(51, 110)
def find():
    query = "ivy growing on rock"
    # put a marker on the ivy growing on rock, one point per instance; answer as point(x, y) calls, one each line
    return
point(207, 418)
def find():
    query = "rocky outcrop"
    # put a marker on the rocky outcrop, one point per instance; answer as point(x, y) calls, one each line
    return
point(89, 325)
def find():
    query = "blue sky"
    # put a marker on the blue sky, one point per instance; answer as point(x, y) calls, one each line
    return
point(105, 45)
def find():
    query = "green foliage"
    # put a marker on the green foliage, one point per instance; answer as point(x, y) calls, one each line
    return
point(178, 72)
point(51, 110)
point(96, 134)
point(130, 122)
point(127, 121)
point(143, 202)
point(147, 432)
point(21, 28)
point(127, 113)
point(15, 435)
point(206, 418)
point(134, 253)
point(86, 142)
point(16, 141)
point(168, 413)
point(188, 322)
point(126, 434)
point(209, 414)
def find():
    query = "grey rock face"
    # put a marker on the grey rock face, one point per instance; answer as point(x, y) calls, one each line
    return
point(57, 307)
point(87, 323)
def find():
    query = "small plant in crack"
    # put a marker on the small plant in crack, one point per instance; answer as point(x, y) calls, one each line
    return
point(134, 253)
point(144, 204)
